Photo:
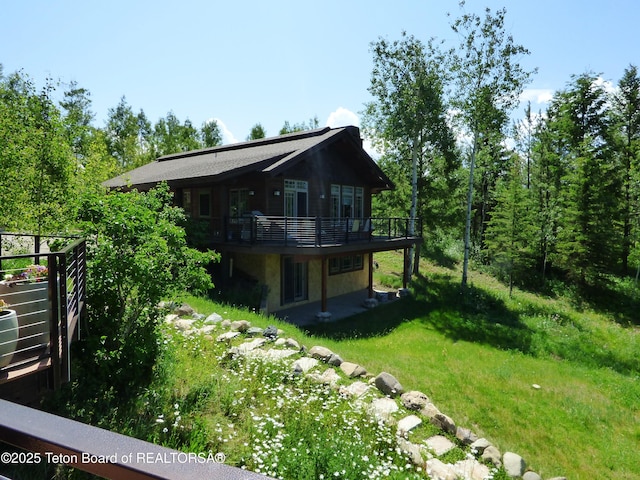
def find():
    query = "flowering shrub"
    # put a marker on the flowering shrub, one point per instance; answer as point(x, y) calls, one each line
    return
point(31, 273)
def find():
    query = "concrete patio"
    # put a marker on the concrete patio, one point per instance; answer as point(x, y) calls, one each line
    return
point(340, 307)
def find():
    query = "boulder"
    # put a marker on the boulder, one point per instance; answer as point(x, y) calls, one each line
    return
point(352, 370)
point(334, 360)
point(387, 384)
point(444, 422)
point(185, 310)
point(213, 318)
point(480, 445)
point(414, 400)
point(439, 445)
point(466, 436)
point(254, 331)
point(328, 377)
point(227, 336)
point(384, 407)
point(531, 476)
point(240, 326)
point(492, 454)
point(271, 332)
point(304, 364)
point(321, 353)
point(513, 464)
point(355, 389)
point(407, 424)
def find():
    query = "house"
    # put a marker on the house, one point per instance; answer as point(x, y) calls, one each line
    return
point(292, 212)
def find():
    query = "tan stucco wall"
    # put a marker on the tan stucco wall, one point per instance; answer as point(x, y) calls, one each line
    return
point(266, 269)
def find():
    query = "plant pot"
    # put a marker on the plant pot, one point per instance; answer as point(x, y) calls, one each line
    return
point(31, 304)
point(8, 336)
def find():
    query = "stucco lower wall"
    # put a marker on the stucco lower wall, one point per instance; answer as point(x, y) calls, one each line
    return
point(266, 270)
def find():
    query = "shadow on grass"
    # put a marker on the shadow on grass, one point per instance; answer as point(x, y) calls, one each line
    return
point(477, 316)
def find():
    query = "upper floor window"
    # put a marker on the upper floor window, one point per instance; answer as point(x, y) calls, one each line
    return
point(238, 202)
point(204, 203)
point(347, 201)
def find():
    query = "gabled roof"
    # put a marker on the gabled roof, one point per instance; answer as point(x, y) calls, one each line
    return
point(268, 155)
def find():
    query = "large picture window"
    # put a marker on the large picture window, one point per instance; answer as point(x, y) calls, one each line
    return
point(347, 201)
point(204, 203)
point(347, 263)
point(238, 202)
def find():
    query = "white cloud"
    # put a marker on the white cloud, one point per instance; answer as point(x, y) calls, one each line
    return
point(342, 118)
point(227, 135)
point(537, 95)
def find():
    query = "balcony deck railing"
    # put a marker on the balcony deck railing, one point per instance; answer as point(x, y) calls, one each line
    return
point(46, 290)
point(312, 231)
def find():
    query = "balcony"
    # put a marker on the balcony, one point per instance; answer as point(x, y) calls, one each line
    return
point(314, 232)
point(45, 292)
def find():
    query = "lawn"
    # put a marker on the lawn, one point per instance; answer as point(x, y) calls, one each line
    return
point(479, 359)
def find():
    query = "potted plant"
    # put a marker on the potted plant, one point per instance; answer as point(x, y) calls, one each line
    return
point(27, 290)
point(8, 333)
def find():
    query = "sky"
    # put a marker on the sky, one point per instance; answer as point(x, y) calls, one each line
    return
point(245, 62)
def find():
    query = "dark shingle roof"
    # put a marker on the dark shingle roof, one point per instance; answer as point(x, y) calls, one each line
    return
point(268, 155)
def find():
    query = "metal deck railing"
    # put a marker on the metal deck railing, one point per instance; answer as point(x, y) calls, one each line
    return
point(46, 290)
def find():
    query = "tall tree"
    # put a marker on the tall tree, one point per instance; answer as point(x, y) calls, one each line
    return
point(172, 136)
point(128, 136)
point(299, 127)
point(77, 118)
point(489, 80)
point(511, 226)
point(407, 119)
point(211, 134)
point(589, 237)
point(257, 132)
point(626, 107)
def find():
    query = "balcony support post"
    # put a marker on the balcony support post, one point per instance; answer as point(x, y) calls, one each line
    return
point(323, 284)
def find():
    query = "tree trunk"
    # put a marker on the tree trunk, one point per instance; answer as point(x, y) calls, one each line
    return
point(414, 201)
point(467, 229)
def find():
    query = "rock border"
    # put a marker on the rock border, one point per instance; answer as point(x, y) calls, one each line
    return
point(269, 343)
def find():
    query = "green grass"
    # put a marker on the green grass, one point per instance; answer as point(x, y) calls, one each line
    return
point(477, 356)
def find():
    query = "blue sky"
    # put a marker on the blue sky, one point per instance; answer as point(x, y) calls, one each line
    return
point(245, 62)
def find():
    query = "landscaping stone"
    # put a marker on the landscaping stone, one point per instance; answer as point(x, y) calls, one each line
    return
point(352, 370)
point(439, 445)
point(213, 318)
point(444, 423)
point(328, 377)
point(531, 476)
point(240, 325)
point(291, 343)
point(335, 360)
point(227, 336)
point(440, 471)
point(407, 424)
point(321, 353)
point(466, 436)
point(355, 390)
point(480, 445)
point(270, 332)
point(246, 347)
point(430, 410)
point(254, 331)
point(414, 451)
point(414, 400)
point(323, 317)
point(273, 353)
point(183, 324)
point(492, 454)
point(171, 317)
point(207, 329)
point(471, 469)
point(513, 464)
point(185, 310)
point(387, 384)
point(304, 364)
point(225, 323)
point(384, 407)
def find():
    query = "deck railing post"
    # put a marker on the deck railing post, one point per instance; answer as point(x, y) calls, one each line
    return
point(54, 335)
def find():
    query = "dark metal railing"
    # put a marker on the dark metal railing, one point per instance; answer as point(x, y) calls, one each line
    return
point(46, 290)
point(312, 231)
point(58, 440)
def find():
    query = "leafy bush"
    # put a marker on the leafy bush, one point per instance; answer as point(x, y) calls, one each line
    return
point(136, 255)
